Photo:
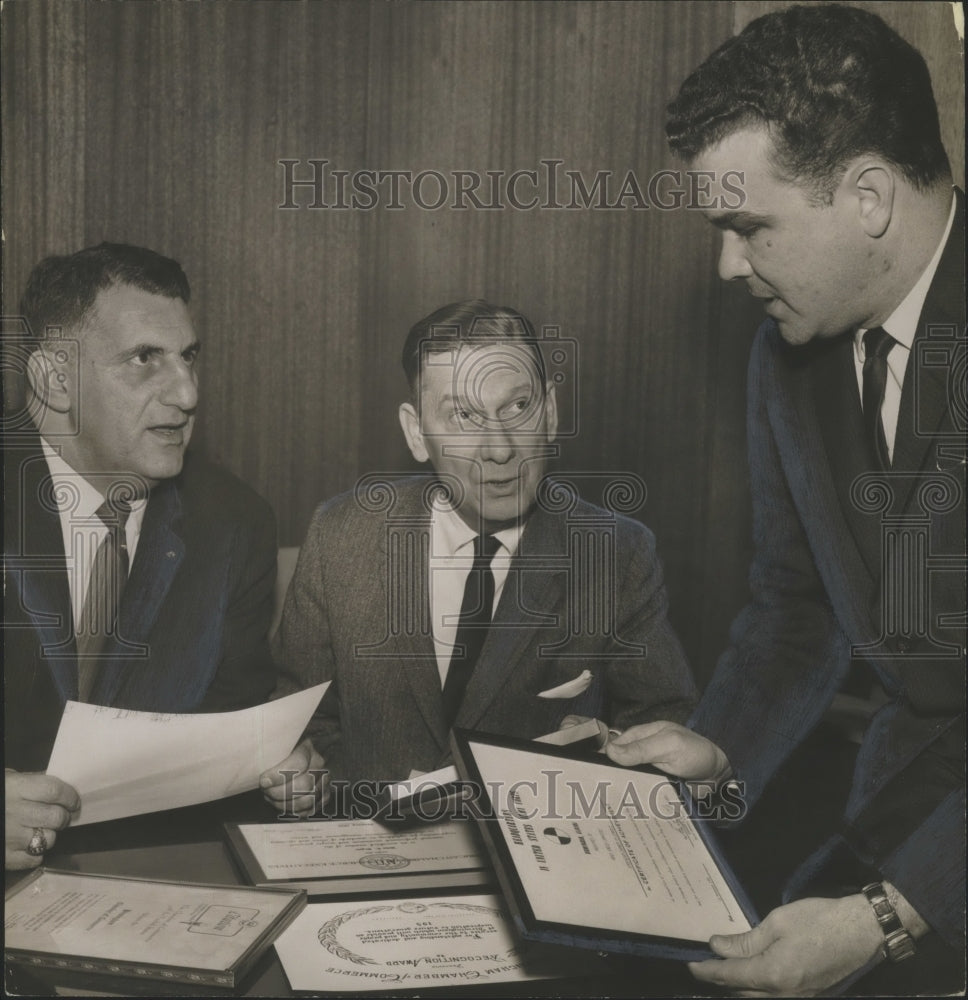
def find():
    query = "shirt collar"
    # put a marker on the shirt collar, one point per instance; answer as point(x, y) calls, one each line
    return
point(902, 324)
point(73, 493)
point(456, 533)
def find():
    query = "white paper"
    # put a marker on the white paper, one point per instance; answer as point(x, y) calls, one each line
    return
point(597, 846)
point(341, 848)
point(423, 781)
point(125, 763)
point(414, 944)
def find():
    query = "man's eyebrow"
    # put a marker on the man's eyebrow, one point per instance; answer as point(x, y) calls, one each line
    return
point(447, 401)
point(148, 348)
point(145, 348)
point(735, 220)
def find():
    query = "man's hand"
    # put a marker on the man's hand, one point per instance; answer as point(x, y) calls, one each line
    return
point(799, 950)
point(35, 802)
point(671, 748)
point(299, 785)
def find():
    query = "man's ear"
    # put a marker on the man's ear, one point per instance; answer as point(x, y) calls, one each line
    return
point(551, 412)
point(873, 184)
point(48, 382)
point(410, 424)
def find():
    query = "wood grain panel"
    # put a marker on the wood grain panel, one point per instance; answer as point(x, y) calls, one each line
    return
point(164, 123)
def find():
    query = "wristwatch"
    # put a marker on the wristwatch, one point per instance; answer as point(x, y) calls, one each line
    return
point(898, 943)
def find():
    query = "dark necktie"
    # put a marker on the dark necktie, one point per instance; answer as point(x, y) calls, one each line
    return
point(877, 344)
point(109, 573)
point(475, 617)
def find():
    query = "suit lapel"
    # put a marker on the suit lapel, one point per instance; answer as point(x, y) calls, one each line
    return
point(927, 395)
point(43, 579)
point(837, 406)
point(529, 586)
point(404, 551)
point(157, 559)
point(794, 415)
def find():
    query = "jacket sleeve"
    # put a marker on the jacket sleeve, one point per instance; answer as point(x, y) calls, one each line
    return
point(303, 648)
point(787, 654)
point(658, 683)
point(244, 675)
point(928, 869)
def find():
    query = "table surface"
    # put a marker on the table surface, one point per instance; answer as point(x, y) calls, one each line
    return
point(188, 845)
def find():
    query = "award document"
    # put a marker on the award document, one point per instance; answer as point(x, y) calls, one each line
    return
point(358, 856)
point(596, 855)
point(169, 931)
point(126, 763)
point(415, 944)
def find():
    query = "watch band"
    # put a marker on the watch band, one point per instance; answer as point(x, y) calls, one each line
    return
point(898, 943)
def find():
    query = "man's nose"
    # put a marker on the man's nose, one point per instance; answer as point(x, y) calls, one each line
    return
point(497, 445)
point(732, 259)
point(181, 386)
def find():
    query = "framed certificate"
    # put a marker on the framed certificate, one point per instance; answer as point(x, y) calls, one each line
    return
point(595, 855)
point(350, 857)
point(174, 932)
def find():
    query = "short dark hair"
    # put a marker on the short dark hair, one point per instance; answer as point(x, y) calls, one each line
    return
point(831, 82)
point(472, 320)
point(61, 290)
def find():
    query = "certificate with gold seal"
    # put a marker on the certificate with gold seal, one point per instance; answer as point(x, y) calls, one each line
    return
point(415, 944)
point(342, 857)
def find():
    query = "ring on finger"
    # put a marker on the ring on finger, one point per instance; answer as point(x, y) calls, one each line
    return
point(38, 845)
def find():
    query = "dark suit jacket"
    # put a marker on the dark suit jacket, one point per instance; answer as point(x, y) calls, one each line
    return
point(194, 616)
point(357, 614)
point(826, 578)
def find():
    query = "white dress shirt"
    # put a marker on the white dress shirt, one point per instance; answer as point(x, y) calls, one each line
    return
point(83, 531)
point(902, 325)
point(451, 559)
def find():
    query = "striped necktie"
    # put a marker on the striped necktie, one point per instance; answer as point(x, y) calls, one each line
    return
point(109, 573)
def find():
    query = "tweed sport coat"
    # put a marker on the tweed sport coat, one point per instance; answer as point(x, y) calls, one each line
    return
point(357, 614)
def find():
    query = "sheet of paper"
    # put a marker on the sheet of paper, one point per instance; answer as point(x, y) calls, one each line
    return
point(189, 926)
point(341, 848)
point(423, 781)
point(125, 763)
point(597, 846)
point(414, 944)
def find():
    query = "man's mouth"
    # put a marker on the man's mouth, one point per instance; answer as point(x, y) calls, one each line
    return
point(172, 433)
point(770, 303)
point(501, 485)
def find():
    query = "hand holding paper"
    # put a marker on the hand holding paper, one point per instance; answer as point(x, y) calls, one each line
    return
point(34, 802)
point(297, 785)
point(125, 763)
point(671, 748)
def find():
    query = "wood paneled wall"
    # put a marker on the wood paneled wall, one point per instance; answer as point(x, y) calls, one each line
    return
point(164, 123)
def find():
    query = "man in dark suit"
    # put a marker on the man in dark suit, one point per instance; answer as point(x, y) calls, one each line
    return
point(852, 236)
point(484, 595)
point(135, 576)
